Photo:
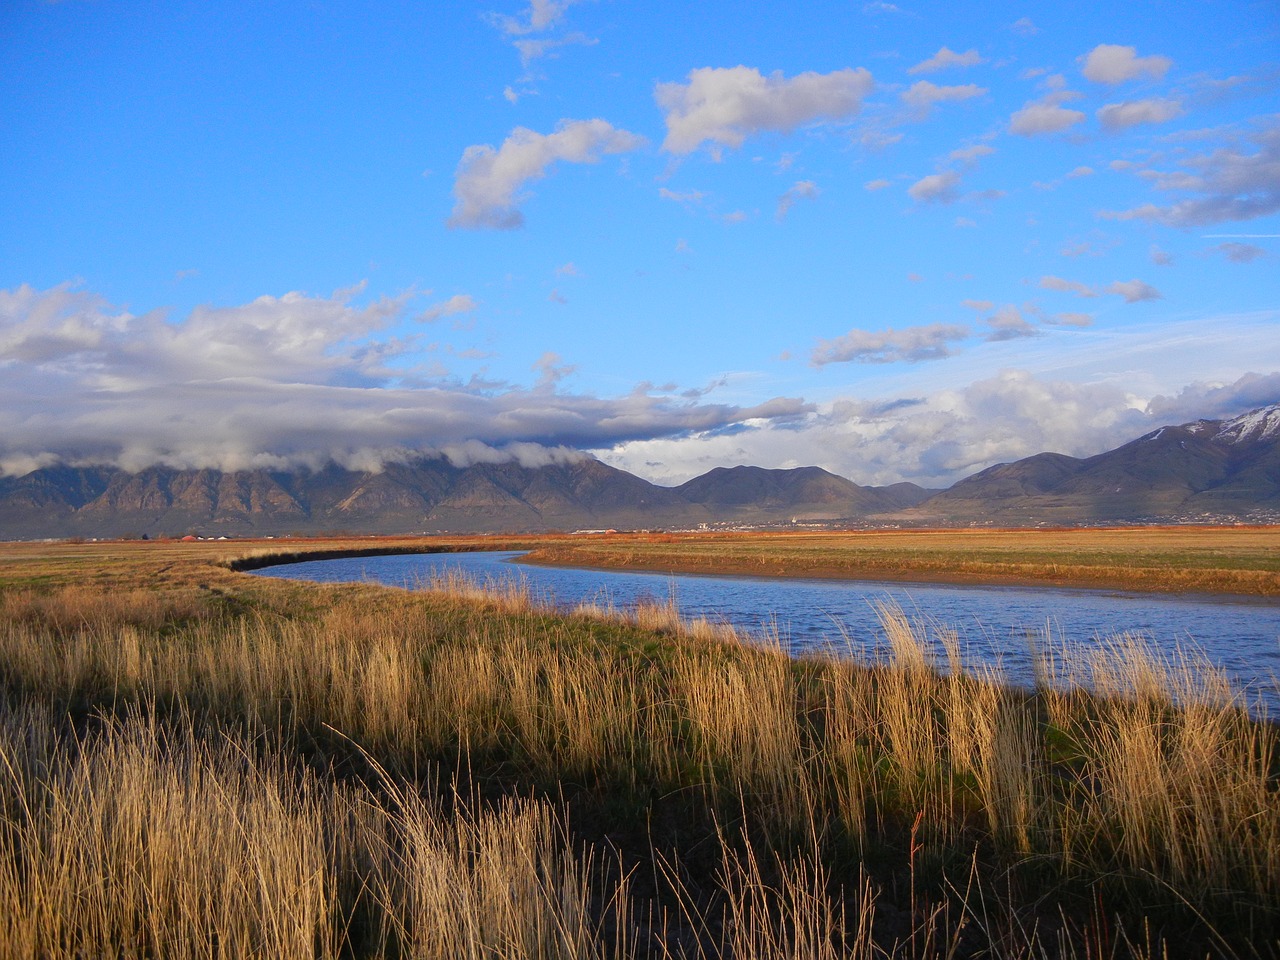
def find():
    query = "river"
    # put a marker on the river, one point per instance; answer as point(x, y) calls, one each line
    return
point(998, 627)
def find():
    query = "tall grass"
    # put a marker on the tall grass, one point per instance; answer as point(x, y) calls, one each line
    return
point(463, 773)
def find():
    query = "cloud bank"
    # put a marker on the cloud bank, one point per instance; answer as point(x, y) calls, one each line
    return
point(939, 438)
point(280, 382)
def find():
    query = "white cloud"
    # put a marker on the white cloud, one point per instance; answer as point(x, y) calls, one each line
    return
point(1135, 291)
point(1067, 286)
point(1111, 64)
point(541, 15)
point(934, 438)
point(935, 188)
point(682, 196)
point(458, 303)
point(877, 184)
point(1216, 401)
point(911, 345)
point(281, 381)
point(1008, 324)
point(1231, 184)
point(1079, 172)
point(487, 181)
point(945, 58)
point(971, 155)
point(922, 95)
point(1024, 27)
point(725, 105)
point(531, 50)
point(801, 190)
point(1121, 116)
point(1044, 116)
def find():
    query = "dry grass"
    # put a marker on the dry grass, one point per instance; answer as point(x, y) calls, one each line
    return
point(262, 769)
point(1244, 560)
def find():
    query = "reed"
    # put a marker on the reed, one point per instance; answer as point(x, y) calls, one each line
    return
point(364, 772)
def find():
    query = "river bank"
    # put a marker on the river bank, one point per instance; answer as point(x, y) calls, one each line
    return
point(1238, 561)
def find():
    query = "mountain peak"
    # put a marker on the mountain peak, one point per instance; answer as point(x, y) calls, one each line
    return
point(1255, 426)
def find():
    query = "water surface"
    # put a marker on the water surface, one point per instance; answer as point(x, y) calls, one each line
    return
point(997, 626)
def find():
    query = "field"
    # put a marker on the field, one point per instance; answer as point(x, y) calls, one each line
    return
point(198, 763)
point(1243, 560)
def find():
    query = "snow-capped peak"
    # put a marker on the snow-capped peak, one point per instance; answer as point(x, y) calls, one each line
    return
point(1253, 427)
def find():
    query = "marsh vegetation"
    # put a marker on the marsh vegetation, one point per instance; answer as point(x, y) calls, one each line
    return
point(199, 763)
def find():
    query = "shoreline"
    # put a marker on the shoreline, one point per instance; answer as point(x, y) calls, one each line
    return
point(1249, 586)
point(1094, 584)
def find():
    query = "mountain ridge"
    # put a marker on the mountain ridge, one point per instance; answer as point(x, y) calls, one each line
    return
point(1206, 470)
point(1198, 471)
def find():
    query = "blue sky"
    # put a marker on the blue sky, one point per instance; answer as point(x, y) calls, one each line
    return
point(899, 241)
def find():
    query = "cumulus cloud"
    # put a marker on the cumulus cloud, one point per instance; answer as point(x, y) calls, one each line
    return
point(725, 105)
point(933, 439)
point(922, 95)
point(1121, 116)
point(1111, 64)
point(1216, 401)
point(1046, 115)
point(945, 58)
point(911, 344)
point(487, 183)
point(878, 184)
point(1135, 291)
point(935, 188)
point(1067, 286)
point(281, 381)
point(1226, 184)
point(801, 190)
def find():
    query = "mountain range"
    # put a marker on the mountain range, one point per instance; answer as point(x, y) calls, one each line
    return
point(1209, 470)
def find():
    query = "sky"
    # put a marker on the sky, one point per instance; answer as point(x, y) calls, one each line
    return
point(900, 241)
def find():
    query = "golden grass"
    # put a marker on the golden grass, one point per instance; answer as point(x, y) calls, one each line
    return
point(1243, 560)
point(229, 766)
